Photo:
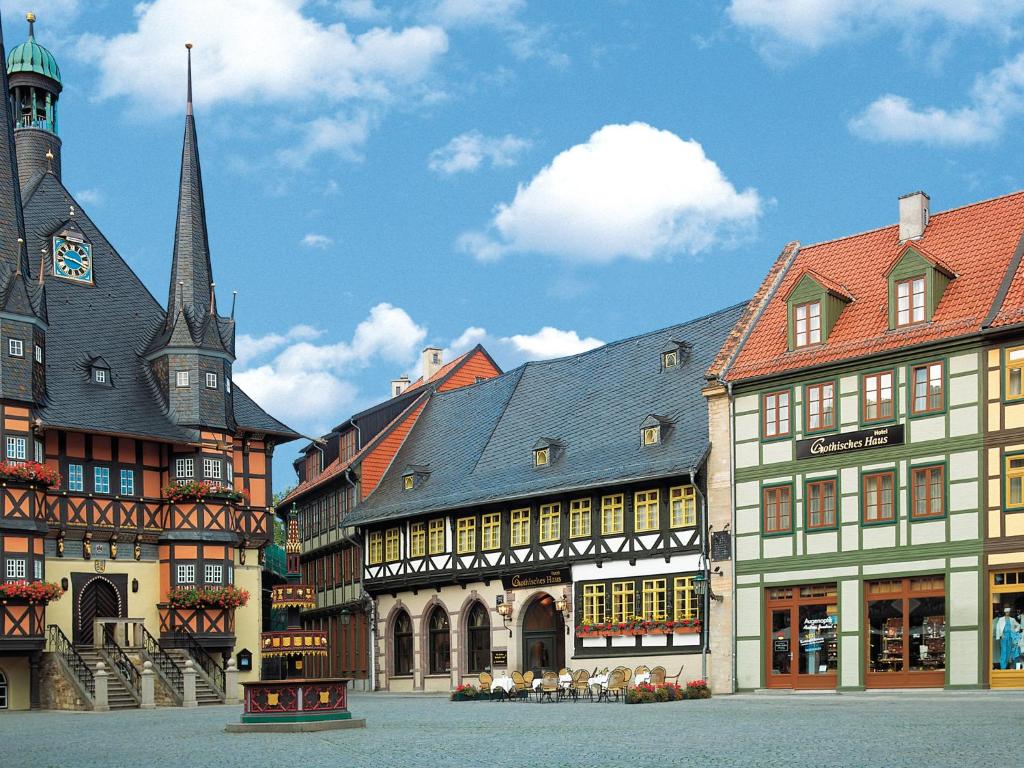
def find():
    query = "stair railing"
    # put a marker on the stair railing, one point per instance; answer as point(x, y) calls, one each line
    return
point(120, 660)
point(209, 665)
point(59, 643)
point(164, 661)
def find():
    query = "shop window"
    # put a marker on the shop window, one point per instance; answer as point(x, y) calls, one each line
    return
point(519, 527)
point(807, 324)
point(682, 503)
point(684, 602)
point(1014, 376)
point(436, 533)
point(1014, 481)
point(490, 531)
point(593, 603)
point(652, 596)
point(877, 504)
point(777, 503)
point(465, 535)
point(612, 514)
point(821, 504)
point(907, 631)
point(645, 511)
point(478, 637)
point(391, 547)
point(439, 642)
point(417, 540)
point(579, 518)
point(402, 644)
point(877, 402)
point(550, 522)
point(775, 414)
point(376, 549)
point(819, 407)
point(928, 491)
point(928, 395)
point(623, 600)
point(1007, 615)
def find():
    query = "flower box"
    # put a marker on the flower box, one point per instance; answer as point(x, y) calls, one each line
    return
point(635, 631)
point(691, 630)
point(30, 591)
point(29, 472)
point(587, 632)
point(207, 597)
point(610, 632)
point(204, 491)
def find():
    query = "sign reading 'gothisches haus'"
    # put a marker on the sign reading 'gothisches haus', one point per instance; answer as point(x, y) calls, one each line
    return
point(845, 442)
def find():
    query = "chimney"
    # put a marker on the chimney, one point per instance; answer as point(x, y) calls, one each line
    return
point(913, 215)
point(431, 362)
point(399, 385)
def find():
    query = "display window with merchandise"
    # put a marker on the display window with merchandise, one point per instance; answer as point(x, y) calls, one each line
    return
point(906, 644)
point(1006, 640)
point(803, 648)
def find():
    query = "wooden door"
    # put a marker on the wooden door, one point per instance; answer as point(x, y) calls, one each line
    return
point(98, 600)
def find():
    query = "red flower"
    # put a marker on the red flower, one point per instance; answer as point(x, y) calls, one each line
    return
point(207, 597)
point(32, 591)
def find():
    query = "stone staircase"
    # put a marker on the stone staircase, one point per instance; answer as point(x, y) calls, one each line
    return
point(206, 693)
point(118, 695)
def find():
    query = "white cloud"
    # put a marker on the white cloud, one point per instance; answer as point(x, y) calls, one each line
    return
point(342, 134)
point(452, 13)
point(630, 191)
point(468, 151)
point(995, 98)
point(813, 24)
point(362, 10)
point(49, 13)
point(249, 348)
point(313, 240)
point(524, 41)
point(512, 350)
point(91, 196)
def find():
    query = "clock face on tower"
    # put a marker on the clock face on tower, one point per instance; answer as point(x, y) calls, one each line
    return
point(72, 260)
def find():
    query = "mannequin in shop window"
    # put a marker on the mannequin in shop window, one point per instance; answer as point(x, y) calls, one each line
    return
point(1007, 633)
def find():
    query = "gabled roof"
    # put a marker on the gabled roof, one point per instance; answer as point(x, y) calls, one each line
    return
point(920, 250)
point(478, 440)
point(829, 285)
point(976, 242)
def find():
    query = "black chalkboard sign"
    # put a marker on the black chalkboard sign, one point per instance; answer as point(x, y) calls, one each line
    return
point(721, 545)
point(780, 645)
point(499, 659)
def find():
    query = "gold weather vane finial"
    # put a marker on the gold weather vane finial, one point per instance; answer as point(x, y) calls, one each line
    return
point(188, 104)
point(30, 17)
point(49, 161)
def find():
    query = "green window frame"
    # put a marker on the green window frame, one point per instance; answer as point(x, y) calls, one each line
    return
point(777, 509)
point(820, 406)
point(1013, 482)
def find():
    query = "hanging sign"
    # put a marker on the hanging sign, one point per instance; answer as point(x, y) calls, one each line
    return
point(847, 442)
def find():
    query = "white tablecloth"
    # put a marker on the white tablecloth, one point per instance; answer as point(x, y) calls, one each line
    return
point(601, 680)
point(504, 683)
point(644, 678)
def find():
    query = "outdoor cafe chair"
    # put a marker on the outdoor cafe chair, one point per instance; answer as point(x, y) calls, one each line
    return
point(549, 686)
point(658, 676)
point(580, 684)
point(616, 684)
point(485, 682)
point(522, 688)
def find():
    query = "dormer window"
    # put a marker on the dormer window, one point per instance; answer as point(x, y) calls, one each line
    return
point(100, 375)
point(541, 457)
point(807, 324)
point(408, 482)
point(652, 436)
point(674, 354)
point(654, 429)
point(670, 359)
point(910, 301)
point(546, 451)
point(414, 476)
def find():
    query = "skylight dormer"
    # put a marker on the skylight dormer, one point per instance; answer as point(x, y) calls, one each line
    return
point(674, 354)
point(547, 451)
point(414, 476)
point(654, 429)
point(98, 371)
point(917, 281)
point(813, 306)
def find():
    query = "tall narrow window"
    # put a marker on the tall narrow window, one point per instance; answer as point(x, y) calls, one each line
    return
point(685, 600)
point(928, 389)
point(16, 448)
point(778, 509)
point(490, 531)
point(417, 540)
point(376, 549)
point(653, 600)
point(645, 511)
point(807, 324)
point(820, 404)
point(623, 600)
point(1014, 478)
point(519, 528)
point(436, 532)
point(478, 637)
point(127, 482)
point(75, 478)
point(775, 414)
point(184, 469)
point(101, 479)
point(550, 522)
point(611, 514)
point(928, 489)
point(579, 518)
point(877, 397)
point(878, 504)
point(910, 301)
point(439, 642)
point(821, 504)
point(211, 380)
point(1014, 376)
point(593, 603)
point(682, 501)
point(465, 535)
point(391, 547)
point(402, 642)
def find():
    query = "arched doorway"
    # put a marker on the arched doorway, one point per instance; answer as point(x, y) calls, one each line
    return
point(98, 599)
point(543, 628)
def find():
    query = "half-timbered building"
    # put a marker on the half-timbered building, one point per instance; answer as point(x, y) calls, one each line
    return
point(117, 398)
point(552, 516)
point(336, 473)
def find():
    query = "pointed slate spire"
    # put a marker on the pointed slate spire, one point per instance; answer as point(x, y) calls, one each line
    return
point(12, 224)
point(191, 265)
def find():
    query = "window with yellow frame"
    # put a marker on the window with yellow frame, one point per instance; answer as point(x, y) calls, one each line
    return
point(623, 600)
point(611, 514)
point(490, 531)
point(579, 518)
point(682, 502)
point(417, 540)
point(519, 527)
point(1013, 476)
point(550, 522)
point(1013, 361)
point(645, 511)
point(465, 535)
point(684, 604)
point(653, 600)
point(593, 603)
point(376, 548)
point(391, 545)
point(436, 540)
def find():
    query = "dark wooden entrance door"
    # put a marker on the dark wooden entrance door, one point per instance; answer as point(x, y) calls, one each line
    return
point(98, 600)
point(543, 644)
point(801, 650)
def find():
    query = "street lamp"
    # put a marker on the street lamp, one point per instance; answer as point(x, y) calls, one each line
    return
point(345, 617)
point(562, 606)
point(505, 611)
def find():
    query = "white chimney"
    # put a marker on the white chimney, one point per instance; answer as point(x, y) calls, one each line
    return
point(399, 385)
point(913, 215)
point(431, 362)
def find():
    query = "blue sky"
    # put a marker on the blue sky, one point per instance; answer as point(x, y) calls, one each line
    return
point(537, 176)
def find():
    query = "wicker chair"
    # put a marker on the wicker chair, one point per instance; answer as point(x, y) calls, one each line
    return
point(522, 689)
point(616, 684)
point(528, 677)
point(658, 676)
point(485, 681)
point(643, 669)
point(581, 684)
point(549, 686)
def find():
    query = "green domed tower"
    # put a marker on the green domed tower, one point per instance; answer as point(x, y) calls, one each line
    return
point(35, 86)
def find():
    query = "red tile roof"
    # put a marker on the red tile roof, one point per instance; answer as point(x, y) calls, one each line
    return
point(829, 285)
point(976, 242)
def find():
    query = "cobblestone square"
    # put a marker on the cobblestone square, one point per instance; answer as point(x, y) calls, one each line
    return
point(899, 729)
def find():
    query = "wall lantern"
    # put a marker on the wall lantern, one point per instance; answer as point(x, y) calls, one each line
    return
point(504, 610)
point(135, 585)
point(345, 617)
point(700, 584)
point(562, 606)
point(64, 583)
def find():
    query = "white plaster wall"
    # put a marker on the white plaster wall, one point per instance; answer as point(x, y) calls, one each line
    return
point(878, 537)
point(963, 657)
point(963, 598)
point(818, 543)
point(963, 421)
point(747, 454)
point(932, 428)
point(776, 452)
point(748, 664)
point(930, 532)
point(963, 526)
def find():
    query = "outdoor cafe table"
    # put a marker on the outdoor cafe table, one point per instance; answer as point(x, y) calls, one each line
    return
point(505, 684)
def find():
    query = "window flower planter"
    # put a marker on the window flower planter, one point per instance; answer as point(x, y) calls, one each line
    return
point(30, 591)
point(692, 629)
point(204, 491)
point(30, 472)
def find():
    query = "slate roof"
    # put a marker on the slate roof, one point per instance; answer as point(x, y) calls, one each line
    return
point(477, 441)
point(979, 243)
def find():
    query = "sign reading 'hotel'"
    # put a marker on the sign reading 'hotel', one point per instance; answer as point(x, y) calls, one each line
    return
point(846, 442)
point(536, 579)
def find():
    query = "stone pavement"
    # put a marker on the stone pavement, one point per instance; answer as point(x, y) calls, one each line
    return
point(922, 730)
